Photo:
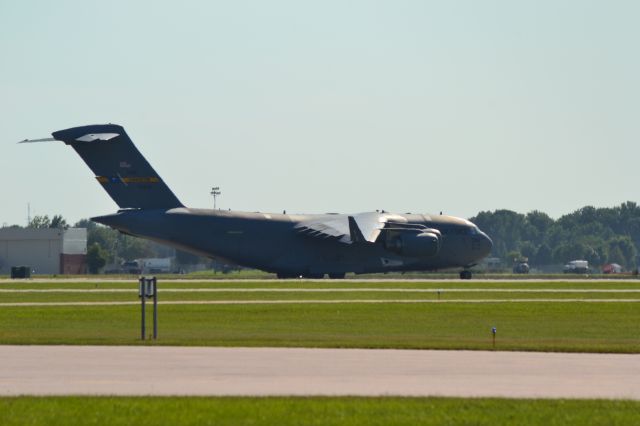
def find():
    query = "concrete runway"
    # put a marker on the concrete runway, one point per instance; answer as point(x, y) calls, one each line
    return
point(133, 370)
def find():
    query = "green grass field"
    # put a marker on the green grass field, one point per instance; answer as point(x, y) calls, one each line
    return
point(65, 411)
point(554, 317)
point(561, 315)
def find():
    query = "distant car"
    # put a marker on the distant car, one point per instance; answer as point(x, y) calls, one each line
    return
point(521, 268)
point(576, 267)
point(612, 268)
point(131, 267)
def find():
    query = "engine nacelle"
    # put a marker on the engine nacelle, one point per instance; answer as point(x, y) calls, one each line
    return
point(424, 244)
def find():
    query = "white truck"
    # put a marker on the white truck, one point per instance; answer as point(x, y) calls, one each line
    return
point(155, 265)
point(576, 267)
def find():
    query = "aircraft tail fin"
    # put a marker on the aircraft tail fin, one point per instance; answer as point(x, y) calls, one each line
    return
point(119, 167)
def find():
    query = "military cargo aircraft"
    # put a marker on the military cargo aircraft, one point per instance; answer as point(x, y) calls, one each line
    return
point(290, 245)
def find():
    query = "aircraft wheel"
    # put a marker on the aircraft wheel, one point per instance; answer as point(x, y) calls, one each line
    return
point(337, 276)
point(284, 275)
point(465, 275)
point(314, 276)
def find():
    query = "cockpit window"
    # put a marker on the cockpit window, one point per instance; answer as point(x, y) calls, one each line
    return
point(451, 229)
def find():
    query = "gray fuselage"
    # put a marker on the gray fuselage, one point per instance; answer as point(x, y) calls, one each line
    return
point(270, 242)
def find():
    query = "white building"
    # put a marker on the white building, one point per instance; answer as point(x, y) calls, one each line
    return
point(45, 250)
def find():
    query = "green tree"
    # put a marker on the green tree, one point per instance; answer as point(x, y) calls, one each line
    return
point(106, 238)
point(622, 250)
point(616, 256)
point(43, 221)
point(39, 221)
point(130, 248)
point(540, 221)
point(88, 224)
point(543, 255)
point(588, 233)
point(96, 258)
point(59, 222)
point(512, 257)
point(528, 250)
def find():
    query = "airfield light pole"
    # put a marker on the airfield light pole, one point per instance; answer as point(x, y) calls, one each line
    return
point(215, 191)
point(148, 288)
point(155, 309)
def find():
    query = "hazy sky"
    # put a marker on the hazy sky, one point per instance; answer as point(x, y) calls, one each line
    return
point(341, 106)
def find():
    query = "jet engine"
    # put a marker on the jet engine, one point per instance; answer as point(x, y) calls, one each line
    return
point(412, 244)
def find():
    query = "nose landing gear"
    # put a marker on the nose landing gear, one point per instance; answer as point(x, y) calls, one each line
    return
point(465, 274)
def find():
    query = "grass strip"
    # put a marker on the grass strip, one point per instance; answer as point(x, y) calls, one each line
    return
point(141, 411)
point(567, 327)
point(326, 284)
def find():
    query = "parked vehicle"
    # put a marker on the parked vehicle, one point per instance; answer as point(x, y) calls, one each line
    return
point(577, 267)
point(130, 267)
point(155, 265)
point(521, 267)
point(612, 268)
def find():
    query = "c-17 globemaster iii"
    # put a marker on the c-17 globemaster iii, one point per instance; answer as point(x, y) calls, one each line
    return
point(290, 245)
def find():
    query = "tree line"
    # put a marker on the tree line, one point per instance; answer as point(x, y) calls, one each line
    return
point(599, 235)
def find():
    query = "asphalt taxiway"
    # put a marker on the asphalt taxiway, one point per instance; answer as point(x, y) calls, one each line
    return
point(149, 370)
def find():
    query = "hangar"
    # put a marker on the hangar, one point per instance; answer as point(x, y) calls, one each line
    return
point(45, 250)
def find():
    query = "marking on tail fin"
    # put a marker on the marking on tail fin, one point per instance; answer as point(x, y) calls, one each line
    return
point(127, 180)
point(92, 137)
point(122, 180)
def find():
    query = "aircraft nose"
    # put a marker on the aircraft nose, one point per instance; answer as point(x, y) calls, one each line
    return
point(486, 244)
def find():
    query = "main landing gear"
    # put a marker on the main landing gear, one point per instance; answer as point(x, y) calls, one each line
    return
point(283, 275)
point(465, 274)
point(333, 276)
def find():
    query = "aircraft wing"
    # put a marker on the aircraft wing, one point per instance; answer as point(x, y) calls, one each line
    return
point(334, 226)
point(347, 229)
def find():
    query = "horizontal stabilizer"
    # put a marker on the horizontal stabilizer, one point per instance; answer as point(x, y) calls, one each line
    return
point(38, 140)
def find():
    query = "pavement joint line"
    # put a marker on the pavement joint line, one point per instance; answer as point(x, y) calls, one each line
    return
point(321, 290)
point(320, 301)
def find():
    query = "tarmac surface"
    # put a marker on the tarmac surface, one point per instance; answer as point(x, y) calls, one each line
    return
point(140, 370)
